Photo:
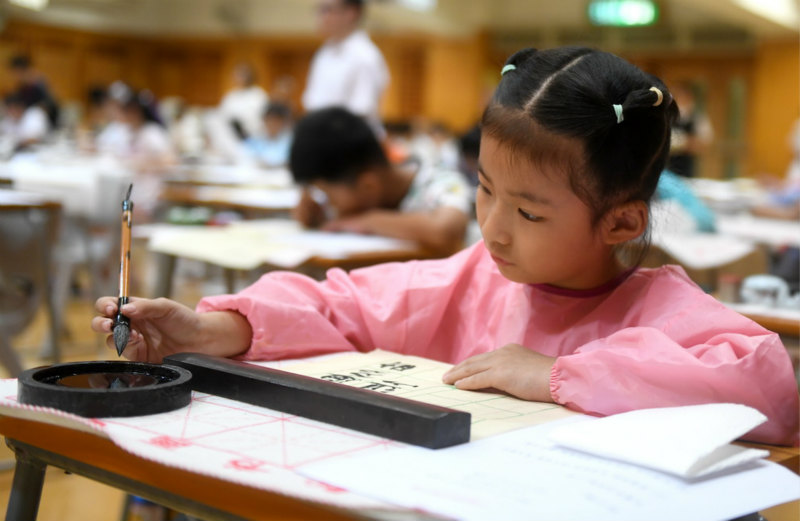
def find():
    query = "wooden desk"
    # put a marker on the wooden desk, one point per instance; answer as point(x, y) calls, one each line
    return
point(785, 322)
point(17, 200)
point(230, 175)
point(37, 445)
point(780, 325)
point(789, 457)
point(315, 267)
point(250, 200)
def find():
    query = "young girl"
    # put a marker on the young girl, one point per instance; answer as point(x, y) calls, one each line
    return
point(572, 146)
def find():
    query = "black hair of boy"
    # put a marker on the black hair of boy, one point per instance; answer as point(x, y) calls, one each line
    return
point(335, 146)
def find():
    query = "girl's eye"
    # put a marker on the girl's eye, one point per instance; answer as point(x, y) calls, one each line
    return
point(483, 188)
point(529, 217)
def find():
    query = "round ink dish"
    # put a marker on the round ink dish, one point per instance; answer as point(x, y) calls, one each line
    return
point(106, 389)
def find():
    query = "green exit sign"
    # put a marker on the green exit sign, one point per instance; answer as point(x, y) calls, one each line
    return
point(623, 13)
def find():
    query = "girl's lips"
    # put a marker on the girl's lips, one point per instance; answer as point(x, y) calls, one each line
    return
point(499, 260)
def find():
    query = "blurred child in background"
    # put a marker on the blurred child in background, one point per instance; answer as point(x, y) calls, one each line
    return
point(336, 154)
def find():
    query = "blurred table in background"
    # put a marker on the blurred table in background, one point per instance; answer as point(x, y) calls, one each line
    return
point(784, 321)
point(268, 244)
point(29, 229)
point(251, 201)
point(229, 175)
point(775, 233)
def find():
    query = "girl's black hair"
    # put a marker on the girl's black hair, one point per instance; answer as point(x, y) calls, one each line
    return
point(334, 145)
point(547, 98)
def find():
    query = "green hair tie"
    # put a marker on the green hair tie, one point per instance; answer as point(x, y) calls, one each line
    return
point(509, 67)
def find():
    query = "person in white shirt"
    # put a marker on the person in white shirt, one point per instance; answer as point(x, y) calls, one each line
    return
point(243, 106)
point(115, 137)
point(150, 152)
point(23, 126)
point(348, 70)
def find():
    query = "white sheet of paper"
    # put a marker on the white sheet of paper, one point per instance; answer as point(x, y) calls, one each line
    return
point(279, 242)
point(687, 441)
point(523, 475)
point(420, 379)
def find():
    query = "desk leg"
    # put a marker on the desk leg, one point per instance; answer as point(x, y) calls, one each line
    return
point(165, 267)
point(230, 280)
point(26, 489)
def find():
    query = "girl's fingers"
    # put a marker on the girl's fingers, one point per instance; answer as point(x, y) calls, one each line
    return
point(481, 380)
point(106, 306)
point(466, 368)
point(102, 324)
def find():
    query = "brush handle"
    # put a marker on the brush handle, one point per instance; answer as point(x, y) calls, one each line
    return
point(125, 248)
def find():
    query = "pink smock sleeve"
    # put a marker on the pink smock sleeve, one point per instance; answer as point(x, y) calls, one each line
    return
point(706, 353)
point(394, 306)
point(293, 316)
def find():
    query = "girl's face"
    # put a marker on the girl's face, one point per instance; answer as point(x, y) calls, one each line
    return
point(535, 227)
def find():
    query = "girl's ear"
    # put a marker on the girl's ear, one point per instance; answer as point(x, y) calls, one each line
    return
point(625, 222)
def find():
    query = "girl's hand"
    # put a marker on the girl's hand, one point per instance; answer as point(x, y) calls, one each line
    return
point(513, 368)
point(161, 327)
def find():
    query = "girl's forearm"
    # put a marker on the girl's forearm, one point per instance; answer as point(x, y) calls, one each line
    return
point(224, 333)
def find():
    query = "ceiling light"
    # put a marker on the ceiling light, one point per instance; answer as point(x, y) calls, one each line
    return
point(36, 5)
point(783, 12)
point(418, 5)
point(622, 12)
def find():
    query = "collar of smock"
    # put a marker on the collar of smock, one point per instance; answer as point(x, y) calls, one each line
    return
point(586, 293)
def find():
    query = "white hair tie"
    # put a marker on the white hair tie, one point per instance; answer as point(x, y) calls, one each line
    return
point(618, 112)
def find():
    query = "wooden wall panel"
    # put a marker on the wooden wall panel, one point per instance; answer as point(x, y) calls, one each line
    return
point(775, 101)
point(451, 82)
point(204, 74)
point(442, 79)
point(102, 65)
point(404, 99)
point(287, 64)
point(714, 75)
point(168, 74)
point(7, 50)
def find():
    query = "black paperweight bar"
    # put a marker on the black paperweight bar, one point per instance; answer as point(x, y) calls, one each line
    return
point(363, 410)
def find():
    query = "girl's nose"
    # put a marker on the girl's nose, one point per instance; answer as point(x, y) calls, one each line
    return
point(495, 228)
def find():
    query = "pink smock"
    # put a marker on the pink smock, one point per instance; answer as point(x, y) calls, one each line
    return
point(651, 339)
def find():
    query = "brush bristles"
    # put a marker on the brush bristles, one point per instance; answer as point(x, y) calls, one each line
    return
point(121, 335)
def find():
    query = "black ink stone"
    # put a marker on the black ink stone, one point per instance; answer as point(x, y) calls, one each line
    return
point(106, 389)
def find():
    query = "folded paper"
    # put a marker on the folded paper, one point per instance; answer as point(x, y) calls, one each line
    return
point(689, 441)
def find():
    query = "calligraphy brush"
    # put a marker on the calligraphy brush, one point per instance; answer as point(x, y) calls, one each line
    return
point(122, 324)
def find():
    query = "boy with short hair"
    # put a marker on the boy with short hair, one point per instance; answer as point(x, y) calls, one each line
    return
point(336, 153)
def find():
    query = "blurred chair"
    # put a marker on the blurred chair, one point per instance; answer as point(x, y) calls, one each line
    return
point(28, 232)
